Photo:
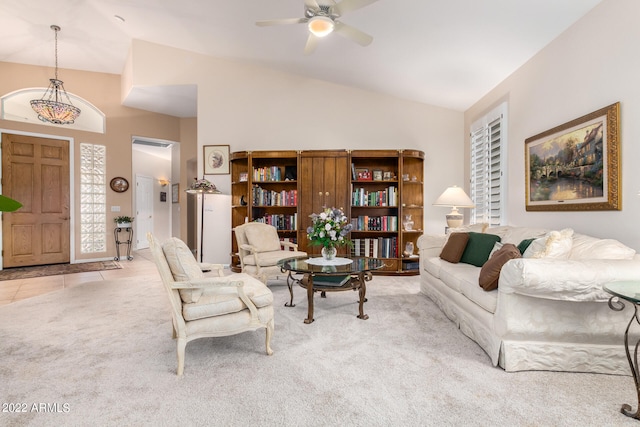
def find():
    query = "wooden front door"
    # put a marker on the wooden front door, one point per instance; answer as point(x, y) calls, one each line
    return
point(35, 172)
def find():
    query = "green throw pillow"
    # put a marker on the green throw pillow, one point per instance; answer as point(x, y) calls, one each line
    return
point(524, 245)
point(478, 248)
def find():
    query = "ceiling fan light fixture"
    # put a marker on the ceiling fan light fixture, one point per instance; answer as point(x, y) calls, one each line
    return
point(321, 26)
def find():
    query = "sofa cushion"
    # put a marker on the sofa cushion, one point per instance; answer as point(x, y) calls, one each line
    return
point(587, 247)
point(480, 227)
point(490, 272)
point(478, 248)
point(516, 235)
point(453, 249)
point(214, 303)
point(488, 301)
point(555, 244)
point(455, 276)
point(432, 266)
point(183, 266)
point(263, 239)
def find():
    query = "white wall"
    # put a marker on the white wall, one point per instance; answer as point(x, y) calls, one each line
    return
point(593, 64)
point(254, 108)
point(157, 168)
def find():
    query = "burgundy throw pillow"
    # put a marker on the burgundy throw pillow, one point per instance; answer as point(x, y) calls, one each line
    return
point(490, 272)
point(454, 248)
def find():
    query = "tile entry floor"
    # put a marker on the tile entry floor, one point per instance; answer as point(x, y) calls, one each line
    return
point(19, 289)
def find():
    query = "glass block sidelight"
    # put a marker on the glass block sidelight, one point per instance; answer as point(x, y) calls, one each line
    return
point(93, 200)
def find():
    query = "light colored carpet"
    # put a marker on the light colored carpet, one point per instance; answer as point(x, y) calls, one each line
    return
point(105, 350)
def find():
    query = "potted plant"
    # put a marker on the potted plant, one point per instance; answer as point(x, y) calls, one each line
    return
point(123, 221)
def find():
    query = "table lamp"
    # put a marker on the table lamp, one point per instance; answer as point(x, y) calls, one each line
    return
point(454, 197)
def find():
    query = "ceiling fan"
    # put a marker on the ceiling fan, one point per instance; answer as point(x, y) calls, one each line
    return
point(321, 17)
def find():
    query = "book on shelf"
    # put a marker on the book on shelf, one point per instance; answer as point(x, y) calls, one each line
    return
point(331, 280)
point(364, 197)
point(375, 223)
point(281, 221)
point(375, 247)
point(270, 173)
point(262, 197)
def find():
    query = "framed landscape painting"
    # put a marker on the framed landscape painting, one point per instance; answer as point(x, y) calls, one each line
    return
point(575, 166)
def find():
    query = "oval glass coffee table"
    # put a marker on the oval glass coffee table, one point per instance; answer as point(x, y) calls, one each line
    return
point(343, 274)
point(630, 292)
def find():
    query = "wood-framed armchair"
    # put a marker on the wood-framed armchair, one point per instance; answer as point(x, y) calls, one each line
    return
point(209, 306)
point(260, 248)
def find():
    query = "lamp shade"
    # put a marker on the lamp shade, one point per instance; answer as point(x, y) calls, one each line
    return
point(454, 196)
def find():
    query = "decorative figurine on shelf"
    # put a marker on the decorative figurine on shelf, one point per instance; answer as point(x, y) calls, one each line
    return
point(408, 223)
point(329, 228)
point(123, 221)
point(408, 250)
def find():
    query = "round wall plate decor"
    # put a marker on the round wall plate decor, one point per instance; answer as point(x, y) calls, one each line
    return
point(119, 184)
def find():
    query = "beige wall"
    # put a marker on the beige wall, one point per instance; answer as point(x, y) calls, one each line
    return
point(188, 152)
point(592, 65)
point(254, 108)
point(102, 90)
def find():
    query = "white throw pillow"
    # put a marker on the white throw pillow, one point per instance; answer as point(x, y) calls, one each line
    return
point(183, 266)
point(556, 244)
point(495, 249)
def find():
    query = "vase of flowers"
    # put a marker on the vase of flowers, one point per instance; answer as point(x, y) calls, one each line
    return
point(329, 229)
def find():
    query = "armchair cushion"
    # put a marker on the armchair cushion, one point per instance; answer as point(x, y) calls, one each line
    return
point(184, 267)
point(270, 258)
point(263, 239)
point(214, 303)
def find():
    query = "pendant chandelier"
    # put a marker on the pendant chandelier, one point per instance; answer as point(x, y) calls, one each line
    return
point(51, 107)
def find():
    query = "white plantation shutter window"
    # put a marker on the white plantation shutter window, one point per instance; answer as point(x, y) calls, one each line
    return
point(488, 147)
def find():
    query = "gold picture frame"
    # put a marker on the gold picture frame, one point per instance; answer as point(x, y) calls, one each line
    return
point(216, 159)
point(575, 166)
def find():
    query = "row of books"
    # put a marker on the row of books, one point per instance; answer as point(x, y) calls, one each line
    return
point(281, 221)
point(381, 247)
point(375, 223)
point(262, 197)
point(386, 197)
point(267, 173)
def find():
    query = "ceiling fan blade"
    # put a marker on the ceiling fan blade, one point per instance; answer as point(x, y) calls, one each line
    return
point(348, 5)
point(311, 4)
point(285, 21)
point(312, 42)
point(347, 31)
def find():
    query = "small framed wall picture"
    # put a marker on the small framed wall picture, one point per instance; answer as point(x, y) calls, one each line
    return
point(175, 193)
point(216, 159)
point(163, 196)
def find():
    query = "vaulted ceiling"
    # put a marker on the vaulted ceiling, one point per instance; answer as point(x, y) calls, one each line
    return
point(447, 53)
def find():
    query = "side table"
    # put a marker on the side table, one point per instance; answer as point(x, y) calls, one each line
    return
point(129, 239)
point(630, 292)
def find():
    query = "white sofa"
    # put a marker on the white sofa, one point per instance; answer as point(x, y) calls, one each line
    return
point(548, 313)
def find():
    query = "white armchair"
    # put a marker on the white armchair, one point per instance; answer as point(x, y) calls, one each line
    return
point(209, 306)
point(260, 249)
